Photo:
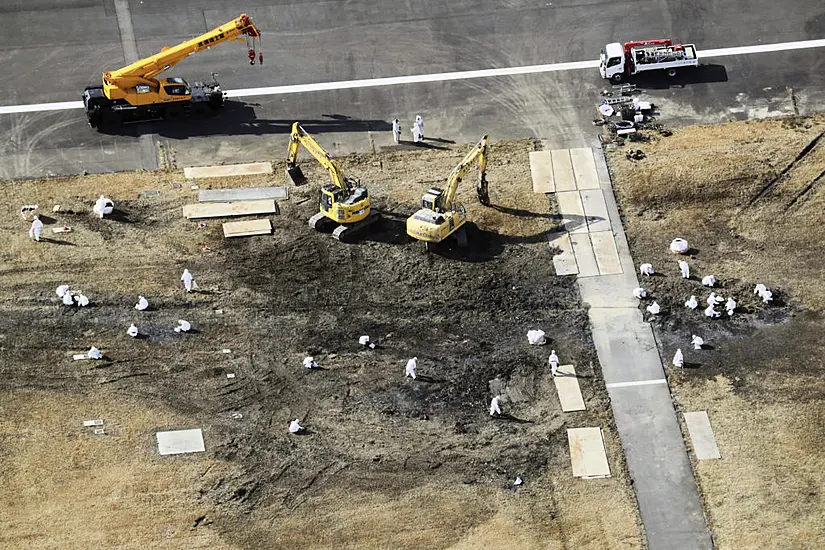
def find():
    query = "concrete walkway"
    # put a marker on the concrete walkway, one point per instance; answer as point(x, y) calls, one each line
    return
point(642, 407)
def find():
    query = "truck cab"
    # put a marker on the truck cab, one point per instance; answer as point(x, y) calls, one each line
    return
point(612, 62)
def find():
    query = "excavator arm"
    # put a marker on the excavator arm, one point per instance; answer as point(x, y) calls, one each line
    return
point(299, 137)
point(479, 152)
point(145, 71)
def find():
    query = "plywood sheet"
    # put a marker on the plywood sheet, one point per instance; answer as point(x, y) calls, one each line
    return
point(701, 435)
point(228, 209)
point(607, 255)
point(541, 170)
point(565, 261)
point(228, 170)
point(571, 211)
point(584, 168)
point(563, 170)
point(567, 386)
point(248, 228)
point(587, 453)
point(243, 194)
point(180, 441)
point(585, 259)
point(595, 210)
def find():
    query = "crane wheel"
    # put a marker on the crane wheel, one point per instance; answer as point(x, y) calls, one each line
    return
point(672, 72)
point(172, 112)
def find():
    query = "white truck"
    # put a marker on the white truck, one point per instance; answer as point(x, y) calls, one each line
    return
point(619, 61)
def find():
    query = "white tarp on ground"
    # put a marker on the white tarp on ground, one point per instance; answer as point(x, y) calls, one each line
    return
point(180, 441)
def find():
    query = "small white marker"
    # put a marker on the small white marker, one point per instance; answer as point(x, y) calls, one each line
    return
point(230, 375)
point(100, 431)
point(226, 350)
point(97, 422)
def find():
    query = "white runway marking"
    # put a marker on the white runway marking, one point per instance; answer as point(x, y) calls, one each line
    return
point(437, 77)
point(62, 106)
point(637, 383)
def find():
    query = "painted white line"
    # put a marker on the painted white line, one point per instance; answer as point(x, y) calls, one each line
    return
point(637, 383)
point(36, 108)
point(412, 79)
point(763, 48)
point(436, 77)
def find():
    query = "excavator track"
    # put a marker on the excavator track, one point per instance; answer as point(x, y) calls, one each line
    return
point(344, 232)
point(319, 221)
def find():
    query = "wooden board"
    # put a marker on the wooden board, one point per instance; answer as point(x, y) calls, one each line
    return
point(563, 170)
point(541, 170)
point(585, 259)
point(701, 435)
point(607, 255)
point(584, 168)
point(571, 211)
point(567, 386)
point(248, 228)
point(243, 194)
point(595, 210)
point(587, 454)
point(228, 170)
point(565, 261)
point(227, 209)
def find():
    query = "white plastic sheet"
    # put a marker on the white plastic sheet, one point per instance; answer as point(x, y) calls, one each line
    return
point(679, 246)
point(536, 337)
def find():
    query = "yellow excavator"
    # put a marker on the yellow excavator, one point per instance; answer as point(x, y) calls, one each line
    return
point(134, 93)
point(440, 216)
point(344, 201)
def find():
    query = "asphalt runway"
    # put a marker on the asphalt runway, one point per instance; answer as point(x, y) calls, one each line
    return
point(51, 50)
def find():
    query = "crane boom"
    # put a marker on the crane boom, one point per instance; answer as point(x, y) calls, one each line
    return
point(145, 70)
point(299, 137)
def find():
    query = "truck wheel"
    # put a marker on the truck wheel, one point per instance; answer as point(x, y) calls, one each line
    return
point(616, 78)
point(671, 73)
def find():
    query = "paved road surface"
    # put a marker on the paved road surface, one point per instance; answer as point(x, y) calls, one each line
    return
point(50, 50)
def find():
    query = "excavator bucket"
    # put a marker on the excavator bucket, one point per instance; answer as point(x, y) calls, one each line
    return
point(296, 175)
point(481, 190)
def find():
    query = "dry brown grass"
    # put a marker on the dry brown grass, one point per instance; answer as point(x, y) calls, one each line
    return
point(762, 385)
point(699, 184)
point(766, 492)
point(63, 487)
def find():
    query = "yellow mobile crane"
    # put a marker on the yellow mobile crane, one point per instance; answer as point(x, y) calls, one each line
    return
point(440, 217)
point(344, 201)
point(135, 93)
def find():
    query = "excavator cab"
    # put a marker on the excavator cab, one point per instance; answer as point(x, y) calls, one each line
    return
point(433, 199)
